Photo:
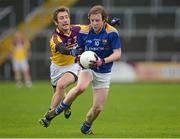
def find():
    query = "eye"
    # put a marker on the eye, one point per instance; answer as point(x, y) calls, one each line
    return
point(61, 17)
point(67, 17)
point(93, 20)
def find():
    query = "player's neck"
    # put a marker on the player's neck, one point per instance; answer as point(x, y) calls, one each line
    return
point(64, 31)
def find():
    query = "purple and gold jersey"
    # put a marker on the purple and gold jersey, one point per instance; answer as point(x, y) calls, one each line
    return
point(69, 40)
point(102, 43)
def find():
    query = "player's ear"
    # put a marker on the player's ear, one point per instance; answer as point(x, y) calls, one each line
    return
point(106, 19)
point(88, 17)
point(55, 23)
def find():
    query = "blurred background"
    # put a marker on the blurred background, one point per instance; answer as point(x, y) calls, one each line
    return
point(149, 31)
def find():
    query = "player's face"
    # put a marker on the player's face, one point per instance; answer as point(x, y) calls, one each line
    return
point(63, 21)
point(96, 22)
point(18, 35)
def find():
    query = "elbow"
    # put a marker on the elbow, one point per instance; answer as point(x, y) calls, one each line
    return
point(119, 55)
point(116, 54)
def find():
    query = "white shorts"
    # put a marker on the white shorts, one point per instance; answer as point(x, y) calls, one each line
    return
point(56, 71)
point(99, 80)
point(20, 65)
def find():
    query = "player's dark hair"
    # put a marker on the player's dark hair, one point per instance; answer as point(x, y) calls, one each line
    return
point(98, 9)
point(60, 9)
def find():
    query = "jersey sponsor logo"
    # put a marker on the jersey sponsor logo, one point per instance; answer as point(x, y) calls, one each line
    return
point(97, 44)
point(88, 41)
point(71, 42)
point(95, 48)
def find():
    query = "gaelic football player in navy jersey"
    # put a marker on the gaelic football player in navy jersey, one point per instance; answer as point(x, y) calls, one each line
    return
point(63, 69)
point(104, 40)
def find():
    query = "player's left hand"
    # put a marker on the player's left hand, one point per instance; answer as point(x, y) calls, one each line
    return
point(77, 59)
point(95, 64)
point(115, 21)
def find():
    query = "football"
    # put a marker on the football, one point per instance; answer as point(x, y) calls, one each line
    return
point(87, 58)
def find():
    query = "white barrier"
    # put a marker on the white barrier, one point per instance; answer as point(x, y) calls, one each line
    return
point(145, 71)
point(123, 72)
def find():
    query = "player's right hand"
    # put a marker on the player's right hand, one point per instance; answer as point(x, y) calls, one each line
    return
point(76, 51)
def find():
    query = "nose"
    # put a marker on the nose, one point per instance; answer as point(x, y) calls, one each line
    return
point(65, 20)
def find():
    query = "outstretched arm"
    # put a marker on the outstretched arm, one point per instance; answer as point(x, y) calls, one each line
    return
point(64, 50)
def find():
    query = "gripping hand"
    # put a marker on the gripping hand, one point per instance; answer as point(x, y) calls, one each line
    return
point(77, 51)
point(95, 64)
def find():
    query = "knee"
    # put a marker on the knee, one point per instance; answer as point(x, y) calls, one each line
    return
point(97, 109)
point(60, 86)
point(80, 89)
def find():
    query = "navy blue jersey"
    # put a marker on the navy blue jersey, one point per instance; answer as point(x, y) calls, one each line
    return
point(102, 43)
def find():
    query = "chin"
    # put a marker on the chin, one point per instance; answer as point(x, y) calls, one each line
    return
point(66, 28)
point(96, 30)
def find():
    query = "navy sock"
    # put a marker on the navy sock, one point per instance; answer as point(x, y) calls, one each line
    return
point(85, 127)
point(62, 106)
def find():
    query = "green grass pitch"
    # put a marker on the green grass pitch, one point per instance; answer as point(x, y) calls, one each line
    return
point(132, 110)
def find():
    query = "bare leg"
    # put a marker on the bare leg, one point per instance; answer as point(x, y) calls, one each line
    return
point(62, 83)
point(18, 78)
point(84, 79)
point(99, 98)
point(27, 78)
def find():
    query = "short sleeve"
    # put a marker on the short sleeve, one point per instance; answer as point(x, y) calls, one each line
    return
point(115, 41)
point(80, 40)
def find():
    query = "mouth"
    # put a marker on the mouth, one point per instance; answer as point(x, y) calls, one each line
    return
point(65, 25)
point(95, 27)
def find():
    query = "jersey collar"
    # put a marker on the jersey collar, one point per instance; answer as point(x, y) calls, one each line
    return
point(62, 33)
